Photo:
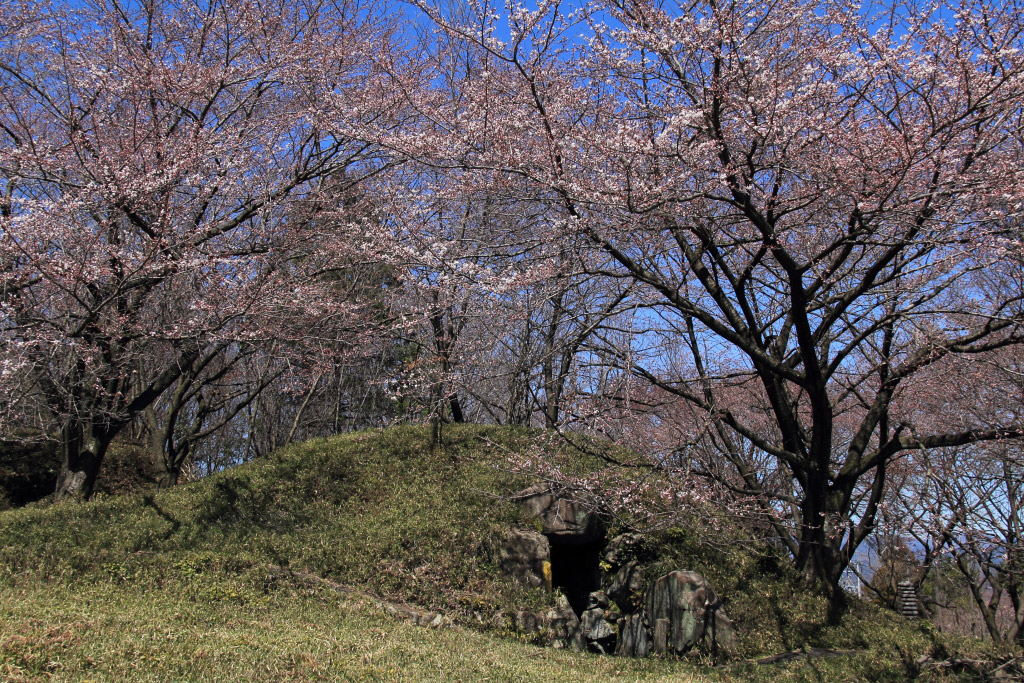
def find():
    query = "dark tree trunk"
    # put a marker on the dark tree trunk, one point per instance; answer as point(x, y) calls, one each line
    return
point(458, 416)
point(821, 559)
point(166, 466)
point(165, 463)
point(167, 478)
point(822, 568)
point(83, 448)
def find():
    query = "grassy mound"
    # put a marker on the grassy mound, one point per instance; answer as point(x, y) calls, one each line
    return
point(376, 510)
point(186, 584)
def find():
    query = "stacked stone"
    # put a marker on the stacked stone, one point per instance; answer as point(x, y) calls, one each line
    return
point(626, 613)
point(679, 612)
point(669, 615)
point(906, 600)
point(597, 624)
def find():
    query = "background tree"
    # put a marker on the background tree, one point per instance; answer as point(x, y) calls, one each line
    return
point(151, 153)
point(498, 317)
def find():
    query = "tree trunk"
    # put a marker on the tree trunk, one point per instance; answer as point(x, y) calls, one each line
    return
point(302, 409)
point(82, 450)
point(822, 572)
point(167, 478)
point(435, 433)
point(455, 405)
point(838, 603)
point(164, 463)
point(166, 466)
point(820, 558)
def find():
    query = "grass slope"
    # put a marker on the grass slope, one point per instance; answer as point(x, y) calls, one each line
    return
point(185, 584)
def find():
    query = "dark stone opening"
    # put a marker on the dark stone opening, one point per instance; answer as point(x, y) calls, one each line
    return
point(575, 568)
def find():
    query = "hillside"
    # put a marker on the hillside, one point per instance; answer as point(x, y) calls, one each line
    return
point(292, 568)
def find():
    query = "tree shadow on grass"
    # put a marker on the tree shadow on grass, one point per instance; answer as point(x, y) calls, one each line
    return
point(234, 504)
point(149, 502)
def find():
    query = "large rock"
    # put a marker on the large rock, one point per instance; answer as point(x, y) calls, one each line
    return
point(561, 519)
point(557, 626)
point(526, 556)
point(598, 599)
point(624, 548)
point(682, 610)
point(634, 640)
point(562, 626)
point(598, 630)
point(598, 624)
point(627, 586)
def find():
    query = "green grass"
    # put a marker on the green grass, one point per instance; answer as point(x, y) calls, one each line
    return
point(216, 628)
point(378, 510)
point(185, 584)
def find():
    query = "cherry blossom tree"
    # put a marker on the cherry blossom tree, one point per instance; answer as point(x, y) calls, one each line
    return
point(166, 187)
point(820, 200)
